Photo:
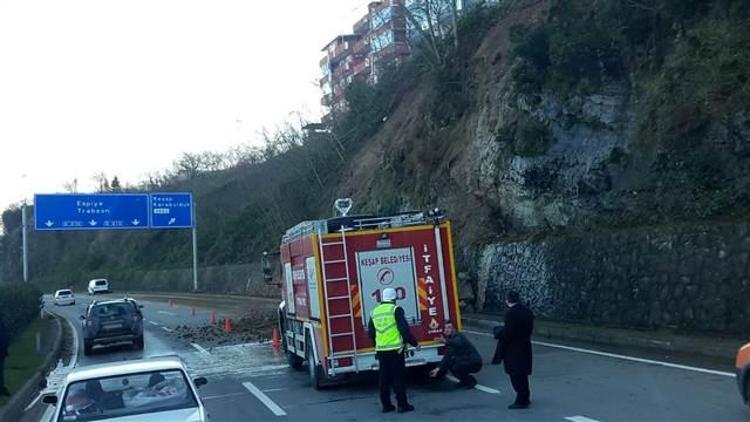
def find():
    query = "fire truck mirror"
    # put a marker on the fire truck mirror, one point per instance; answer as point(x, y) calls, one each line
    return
point(265, 264)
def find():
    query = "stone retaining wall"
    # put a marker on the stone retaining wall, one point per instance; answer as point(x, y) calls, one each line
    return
point(688, 277)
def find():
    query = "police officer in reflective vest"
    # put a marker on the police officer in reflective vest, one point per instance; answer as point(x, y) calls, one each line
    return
point(390, 331)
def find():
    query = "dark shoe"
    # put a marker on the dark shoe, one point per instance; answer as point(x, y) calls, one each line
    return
point(407, 408)
point(389, 408)
point(471, 384)
point(518, 406)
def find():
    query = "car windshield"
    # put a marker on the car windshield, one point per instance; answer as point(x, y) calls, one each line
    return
point(101, 282)
point(126, 395)
point(64, 292)
point(112, 309)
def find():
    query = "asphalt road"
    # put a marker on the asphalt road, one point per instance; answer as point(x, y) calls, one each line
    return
point(249, 382)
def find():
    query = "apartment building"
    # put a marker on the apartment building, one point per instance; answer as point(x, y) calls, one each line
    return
point(378, 39)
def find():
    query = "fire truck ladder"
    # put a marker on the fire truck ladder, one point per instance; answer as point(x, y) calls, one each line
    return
point(327, 280)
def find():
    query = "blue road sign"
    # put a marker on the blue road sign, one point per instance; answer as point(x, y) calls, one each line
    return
point(106, 211)
point(171, 210)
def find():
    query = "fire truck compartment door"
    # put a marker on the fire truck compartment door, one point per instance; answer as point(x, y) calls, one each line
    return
point(289, 287)
point(383, 268)
point(312, 288)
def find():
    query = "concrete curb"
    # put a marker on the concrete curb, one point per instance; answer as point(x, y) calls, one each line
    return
point(14, 408)
point(664, 342)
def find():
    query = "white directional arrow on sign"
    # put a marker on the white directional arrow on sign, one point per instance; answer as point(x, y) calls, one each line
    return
point(49, 223)
point(92, 222)
point(136, 222)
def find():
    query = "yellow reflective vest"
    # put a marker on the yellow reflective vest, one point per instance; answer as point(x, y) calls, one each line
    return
point(387, 336)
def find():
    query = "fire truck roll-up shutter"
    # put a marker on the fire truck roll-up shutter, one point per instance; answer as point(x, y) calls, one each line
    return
point(289, 287)
point(312, 287)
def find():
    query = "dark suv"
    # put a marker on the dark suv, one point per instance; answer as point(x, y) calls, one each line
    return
point(112, 321)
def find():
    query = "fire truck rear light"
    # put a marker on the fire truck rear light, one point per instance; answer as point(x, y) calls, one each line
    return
point(342, 362)
point(441, 350)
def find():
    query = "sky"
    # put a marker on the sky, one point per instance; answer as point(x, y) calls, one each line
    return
point(124, 87)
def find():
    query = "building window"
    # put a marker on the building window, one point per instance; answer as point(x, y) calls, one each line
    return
point(382, 41)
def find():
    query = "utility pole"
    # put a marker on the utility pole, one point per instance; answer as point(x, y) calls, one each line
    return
point(195, 251)
point(24, 243)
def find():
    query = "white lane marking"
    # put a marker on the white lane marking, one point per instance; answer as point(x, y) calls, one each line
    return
point(271, 390)
point(478, 387)
point(200, 349)
point(33, 402)
point(74, 355)
point(166, 313)
point(169, 330)
point(153, 323)
point(623, 357)
point(580, 419)
point(270, 404)
point(222, 396)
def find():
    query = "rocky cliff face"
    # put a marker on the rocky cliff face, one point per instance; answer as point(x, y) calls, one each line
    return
point(530, 175)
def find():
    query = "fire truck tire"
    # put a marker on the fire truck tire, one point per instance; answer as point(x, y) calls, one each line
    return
point(294, 360)
point(315, 370)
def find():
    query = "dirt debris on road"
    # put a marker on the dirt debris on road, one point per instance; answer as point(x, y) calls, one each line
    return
point(254, 326)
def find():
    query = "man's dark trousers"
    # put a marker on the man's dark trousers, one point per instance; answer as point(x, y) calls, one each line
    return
point(392, 375)
point(463, 372)
point(521, 385)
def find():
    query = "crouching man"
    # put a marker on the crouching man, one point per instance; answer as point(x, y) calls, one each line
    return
point(461, 358)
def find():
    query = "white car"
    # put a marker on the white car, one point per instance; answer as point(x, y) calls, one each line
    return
point(64, 297)
point(153, 389)
point(98, 285)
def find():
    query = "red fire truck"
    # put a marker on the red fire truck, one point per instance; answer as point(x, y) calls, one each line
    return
point(333, 272)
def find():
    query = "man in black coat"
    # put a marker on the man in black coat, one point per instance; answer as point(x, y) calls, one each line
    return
point(461, 358)
point(514, 348)
point(4, 343)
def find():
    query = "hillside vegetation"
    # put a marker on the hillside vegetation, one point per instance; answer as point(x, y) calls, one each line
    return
point(550, 117)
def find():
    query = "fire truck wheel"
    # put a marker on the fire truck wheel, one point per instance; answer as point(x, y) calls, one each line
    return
point(315, 370)
point(294, 360)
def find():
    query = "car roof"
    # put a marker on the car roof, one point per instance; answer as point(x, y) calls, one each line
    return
point(97, 279)
point(62, 290)
point(124, 368)
point(112, 301)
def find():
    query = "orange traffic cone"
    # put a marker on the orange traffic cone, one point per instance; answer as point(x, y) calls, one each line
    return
point(227, 325)
point(213, 318)
point(275, 340)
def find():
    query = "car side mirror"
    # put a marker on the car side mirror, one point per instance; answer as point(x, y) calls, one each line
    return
point(50, 399)
point(82, 317)
point(140, 306)
point(200, 381)
point(43, 383)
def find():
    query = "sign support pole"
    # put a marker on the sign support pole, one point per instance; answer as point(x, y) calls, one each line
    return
point(195, 251)
point(25, 243)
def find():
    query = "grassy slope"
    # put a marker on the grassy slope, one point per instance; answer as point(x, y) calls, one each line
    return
point(23, 360)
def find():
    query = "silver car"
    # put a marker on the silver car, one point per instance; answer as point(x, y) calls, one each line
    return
point(153, 389)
